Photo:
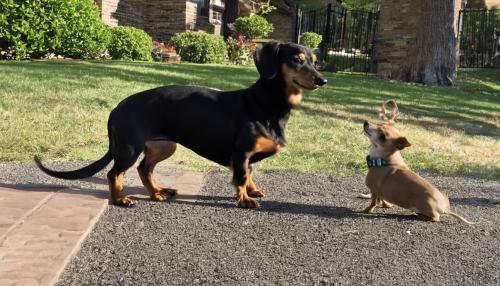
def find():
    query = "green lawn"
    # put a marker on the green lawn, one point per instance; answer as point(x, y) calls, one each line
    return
point(59, 109)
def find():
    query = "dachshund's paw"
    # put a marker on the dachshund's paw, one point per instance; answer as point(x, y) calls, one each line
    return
point(256, 193)
point(248, 203)
point(124, 202)
point(163, 195)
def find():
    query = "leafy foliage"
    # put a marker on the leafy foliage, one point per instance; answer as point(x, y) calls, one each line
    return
point(67, 27)
point(83, 36)
point(200, 47)
point(253, 27)
point(239, 50)
point(367, 5)
point(266, 8)
point(311, 39)
point(129, 43)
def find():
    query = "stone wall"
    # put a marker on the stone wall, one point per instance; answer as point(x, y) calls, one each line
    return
point(492, 4)
point(161, 19)
point(284, 25)
point(121, 12)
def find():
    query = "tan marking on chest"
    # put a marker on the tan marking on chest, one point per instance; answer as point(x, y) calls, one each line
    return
point(265, 145)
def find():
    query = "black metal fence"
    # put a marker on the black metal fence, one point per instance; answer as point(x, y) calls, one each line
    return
point(479, 32)
point(347, 36)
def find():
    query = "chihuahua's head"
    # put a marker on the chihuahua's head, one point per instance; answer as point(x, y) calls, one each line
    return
point(384, 137)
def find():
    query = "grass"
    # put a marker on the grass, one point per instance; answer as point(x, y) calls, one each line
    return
point(59, 109)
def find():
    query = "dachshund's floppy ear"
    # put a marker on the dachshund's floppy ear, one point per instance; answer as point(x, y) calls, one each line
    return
point(266, 60)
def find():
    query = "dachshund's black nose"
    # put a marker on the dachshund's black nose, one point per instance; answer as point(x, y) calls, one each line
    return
point(365, 124)
point(320, 81)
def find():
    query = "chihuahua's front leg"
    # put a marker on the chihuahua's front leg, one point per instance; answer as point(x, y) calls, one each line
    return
point(372, 205)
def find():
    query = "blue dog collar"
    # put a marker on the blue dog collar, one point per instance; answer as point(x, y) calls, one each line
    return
point(377, 162)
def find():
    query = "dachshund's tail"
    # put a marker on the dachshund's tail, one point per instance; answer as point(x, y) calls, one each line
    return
point(81, 173)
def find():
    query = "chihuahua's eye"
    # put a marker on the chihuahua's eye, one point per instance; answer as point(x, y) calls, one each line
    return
point(382, 137)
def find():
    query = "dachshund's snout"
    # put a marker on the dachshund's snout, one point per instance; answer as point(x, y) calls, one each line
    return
point(320, 81)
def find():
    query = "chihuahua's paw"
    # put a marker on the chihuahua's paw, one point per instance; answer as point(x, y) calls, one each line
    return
point(248, 203)
point(256, 193)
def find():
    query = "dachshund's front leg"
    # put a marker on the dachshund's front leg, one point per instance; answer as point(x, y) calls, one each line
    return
point(241, 177)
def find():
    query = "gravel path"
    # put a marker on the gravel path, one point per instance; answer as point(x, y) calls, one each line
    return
point(308, 232)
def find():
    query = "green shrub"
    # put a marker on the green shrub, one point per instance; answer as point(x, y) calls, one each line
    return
point(129, 43)
point(83, 36)
point(67, 27)
point(311, 39)
point(253, 27)
point(200, 47)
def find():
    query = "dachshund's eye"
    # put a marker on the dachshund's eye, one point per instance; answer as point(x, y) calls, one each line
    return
point(382, 137)
point(298, 60)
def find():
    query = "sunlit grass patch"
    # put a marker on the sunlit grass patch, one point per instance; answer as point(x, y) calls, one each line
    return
point(59, 109)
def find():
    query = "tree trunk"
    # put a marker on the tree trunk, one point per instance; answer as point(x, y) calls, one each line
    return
point(230, 14)
point(433, 59)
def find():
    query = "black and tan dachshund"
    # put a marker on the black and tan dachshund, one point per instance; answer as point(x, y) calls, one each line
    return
point(234, 129)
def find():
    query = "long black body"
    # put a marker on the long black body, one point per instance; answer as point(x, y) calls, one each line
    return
point(234, 129)
point(212, 123)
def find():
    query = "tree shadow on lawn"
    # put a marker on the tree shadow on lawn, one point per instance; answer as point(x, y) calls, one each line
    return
point(364, 105)
point(155, 74)
point(359, 95)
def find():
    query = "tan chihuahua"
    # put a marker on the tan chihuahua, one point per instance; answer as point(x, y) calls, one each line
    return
point(390, 180)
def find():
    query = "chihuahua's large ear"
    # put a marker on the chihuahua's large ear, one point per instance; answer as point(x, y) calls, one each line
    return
point(266, 60)
point(402, 143)
point(394, 112)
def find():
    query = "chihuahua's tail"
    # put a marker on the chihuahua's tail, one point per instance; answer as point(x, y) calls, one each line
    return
point(81, 173)
point(457, 216)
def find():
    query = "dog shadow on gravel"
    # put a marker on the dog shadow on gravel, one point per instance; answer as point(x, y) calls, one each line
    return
point(327, 211)
point(476, 202)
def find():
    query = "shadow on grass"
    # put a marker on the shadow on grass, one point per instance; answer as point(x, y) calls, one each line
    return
point(427, 106)
point(155, 74)
point(472, 105)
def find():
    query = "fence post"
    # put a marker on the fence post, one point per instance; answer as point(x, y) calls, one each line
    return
point(326, 33)
point(298, 24)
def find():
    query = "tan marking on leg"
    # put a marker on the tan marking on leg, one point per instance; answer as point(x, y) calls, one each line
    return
point(252, 189)
point(266, 145)
point(116, 190)
point(244, 201)
point(155, 152)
